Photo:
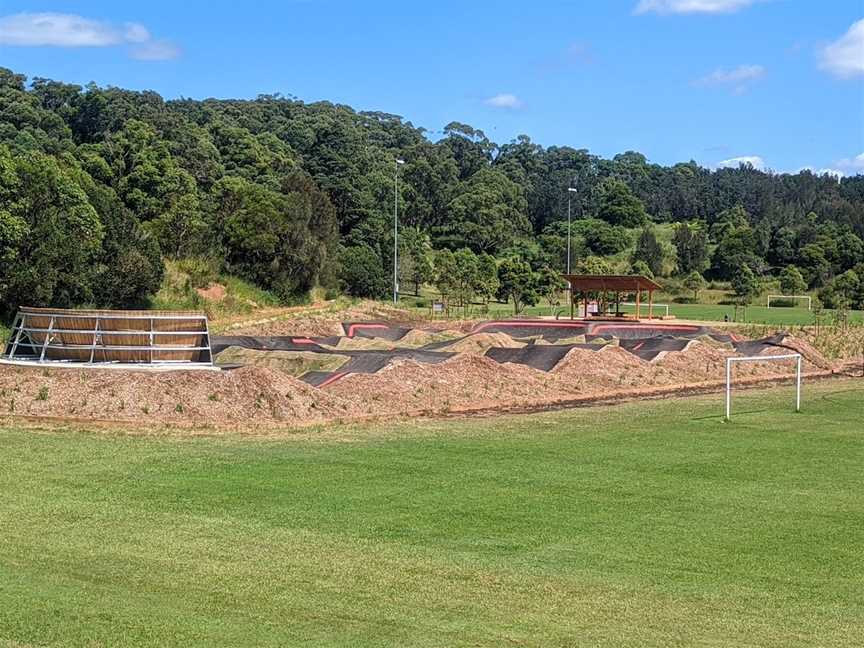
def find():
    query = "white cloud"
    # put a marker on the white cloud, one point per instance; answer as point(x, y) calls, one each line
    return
point(852, 165)
point(155, 51)
point(837, 173)
point(70, 30)
point(844, 58)
point(135, 33)
point(739, 78)
point(58, 30)
point(691, 6)
point(735, 162)
point(504, 100)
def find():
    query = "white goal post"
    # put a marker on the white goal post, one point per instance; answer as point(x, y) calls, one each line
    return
point(790, 356)
point(807, 297)
point(645, 306)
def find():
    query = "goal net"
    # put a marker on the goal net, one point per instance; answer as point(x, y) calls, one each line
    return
point(790, 356)
point(792, 298)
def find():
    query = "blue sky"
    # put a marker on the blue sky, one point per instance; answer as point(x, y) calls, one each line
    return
point(779, 81)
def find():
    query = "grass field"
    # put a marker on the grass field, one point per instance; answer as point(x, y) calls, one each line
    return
point(700, 312)
point(649, 524)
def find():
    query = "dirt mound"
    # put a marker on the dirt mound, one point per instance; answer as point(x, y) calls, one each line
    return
point(421, 337)
point(697, 362)
point(810, 354)
point(362, 344)
point(479, 342)
point(609, 368)
point(467, 380)
point(245, 397)
point(573, 339)
point(323, 323)
point(295, 363)
point(701, 361)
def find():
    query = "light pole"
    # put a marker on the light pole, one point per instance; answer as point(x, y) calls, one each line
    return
point(570, 190)
point(396, 231)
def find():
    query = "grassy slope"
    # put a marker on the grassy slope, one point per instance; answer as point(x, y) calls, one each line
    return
point(178, 293)
point(662, 526)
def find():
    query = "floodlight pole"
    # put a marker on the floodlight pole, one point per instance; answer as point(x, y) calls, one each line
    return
point(570, 190)
point(396, 231)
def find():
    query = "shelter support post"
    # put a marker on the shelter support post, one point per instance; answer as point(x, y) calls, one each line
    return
point(650, 304)
point(638, 295)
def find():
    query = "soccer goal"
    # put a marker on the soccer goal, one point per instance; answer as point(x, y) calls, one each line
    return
point(807, 297)
point(666, 306)
point(790, 356)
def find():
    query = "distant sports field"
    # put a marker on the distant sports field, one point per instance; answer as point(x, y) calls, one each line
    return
point(645, 524)
point(778, 316)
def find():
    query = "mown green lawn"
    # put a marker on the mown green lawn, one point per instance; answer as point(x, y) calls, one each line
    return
point(798, 316)
point(647, 524)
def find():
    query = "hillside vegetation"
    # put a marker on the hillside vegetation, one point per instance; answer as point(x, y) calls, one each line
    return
point(98, 186)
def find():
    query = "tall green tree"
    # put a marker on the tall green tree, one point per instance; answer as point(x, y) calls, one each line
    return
point(695, 282)
point(518, 283)
point(746, 285)
point(691, 246)
point(487, 277)
point(618, 205)
point(362, 274)
point(466, 276)
point(50, 235)
point(792, 281)
point(649, 251)
point(415, 266)
point(487, 215)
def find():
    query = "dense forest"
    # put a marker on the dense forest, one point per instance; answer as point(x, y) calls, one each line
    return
point(98, 186)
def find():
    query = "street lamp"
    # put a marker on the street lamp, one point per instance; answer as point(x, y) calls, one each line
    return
point(570, 190)
point(396, 231)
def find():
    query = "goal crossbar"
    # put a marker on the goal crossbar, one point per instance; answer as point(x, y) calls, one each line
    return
point(807, 297)
point(788, 356)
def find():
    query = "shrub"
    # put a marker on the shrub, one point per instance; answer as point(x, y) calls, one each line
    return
point(362, 272)
point(201, 270)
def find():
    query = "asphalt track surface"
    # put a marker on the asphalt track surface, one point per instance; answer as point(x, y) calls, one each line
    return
point(644, 340)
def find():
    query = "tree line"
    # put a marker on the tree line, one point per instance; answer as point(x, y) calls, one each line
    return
point(99, 185)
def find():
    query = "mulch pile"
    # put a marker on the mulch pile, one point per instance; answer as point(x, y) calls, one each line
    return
point(253, 397)
point(246, 397)
point(323, 323)
point(470, 381)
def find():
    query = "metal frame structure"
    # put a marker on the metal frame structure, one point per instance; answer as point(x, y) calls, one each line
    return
point(789, 356)
point(157, 338)
point(807, 297)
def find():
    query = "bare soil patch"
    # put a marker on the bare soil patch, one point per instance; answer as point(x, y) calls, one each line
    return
point(214, 292)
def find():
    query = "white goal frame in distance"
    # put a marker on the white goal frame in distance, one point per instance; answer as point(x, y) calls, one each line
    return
point(807, 297)
point(645, 305)
point(790, 356)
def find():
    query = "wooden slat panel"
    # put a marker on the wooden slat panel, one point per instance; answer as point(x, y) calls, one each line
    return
point(118, 328)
